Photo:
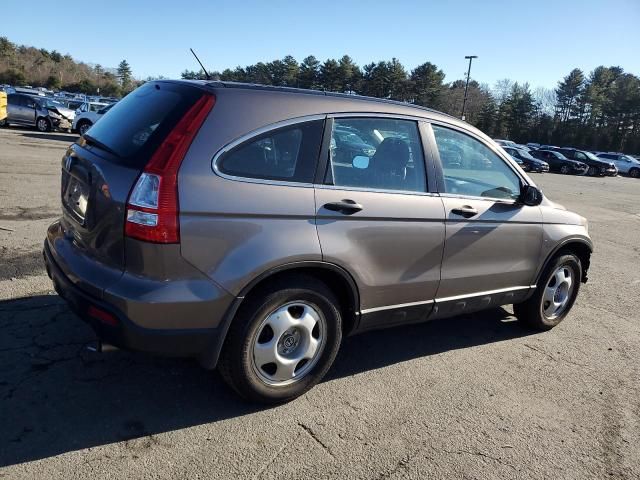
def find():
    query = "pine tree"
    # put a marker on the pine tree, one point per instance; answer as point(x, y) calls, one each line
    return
point(124, 74)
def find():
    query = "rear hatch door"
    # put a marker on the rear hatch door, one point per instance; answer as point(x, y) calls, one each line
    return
point(99, 171)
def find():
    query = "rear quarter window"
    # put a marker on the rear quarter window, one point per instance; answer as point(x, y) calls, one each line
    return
point(287, 154)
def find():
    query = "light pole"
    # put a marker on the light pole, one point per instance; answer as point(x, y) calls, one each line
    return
point(466, 87)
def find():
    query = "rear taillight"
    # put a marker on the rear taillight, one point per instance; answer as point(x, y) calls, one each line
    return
point(152, 208)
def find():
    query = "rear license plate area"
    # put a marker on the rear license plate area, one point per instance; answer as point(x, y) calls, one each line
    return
point(75, 198)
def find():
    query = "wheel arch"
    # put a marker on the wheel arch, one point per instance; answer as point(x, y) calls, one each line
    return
point(337, 279)
point(579, 246)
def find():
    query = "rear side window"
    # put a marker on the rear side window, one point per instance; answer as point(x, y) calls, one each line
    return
point(137, 124)
point(285, 154)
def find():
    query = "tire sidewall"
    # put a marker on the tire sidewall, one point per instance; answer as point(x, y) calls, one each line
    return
point(634, 173)
point(255, 388)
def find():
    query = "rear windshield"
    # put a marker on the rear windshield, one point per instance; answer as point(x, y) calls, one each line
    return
point(136, 125)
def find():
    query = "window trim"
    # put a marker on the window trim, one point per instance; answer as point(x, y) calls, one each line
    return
point(491, 146)
point(324, 172)
point(256, 133)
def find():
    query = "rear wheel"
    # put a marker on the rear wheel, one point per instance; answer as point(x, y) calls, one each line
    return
point(592, 172)
point(282, 341)
point(555, 294)
point(43, 125)
point(634, 173)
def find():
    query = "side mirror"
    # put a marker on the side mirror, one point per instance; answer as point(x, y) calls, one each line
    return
point(360, 161)
point(531, 196)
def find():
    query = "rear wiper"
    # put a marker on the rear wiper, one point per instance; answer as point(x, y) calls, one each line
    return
point(92, 141)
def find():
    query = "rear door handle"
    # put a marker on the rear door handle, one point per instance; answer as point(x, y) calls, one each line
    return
point(344, 206)
point(465, 211)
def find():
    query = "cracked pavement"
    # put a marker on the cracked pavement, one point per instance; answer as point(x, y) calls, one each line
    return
point(469, 397)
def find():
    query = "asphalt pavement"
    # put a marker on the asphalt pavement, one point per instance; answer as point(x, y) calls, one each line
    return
point(476, 396)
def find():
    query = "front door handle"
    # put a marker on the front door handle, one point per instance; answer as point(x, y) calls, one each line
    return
point(465, 211)
point(344, 206)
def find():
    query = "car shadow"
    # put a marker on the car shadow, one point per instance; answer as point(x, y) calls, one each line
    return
point(57, 137)
point(56, 396)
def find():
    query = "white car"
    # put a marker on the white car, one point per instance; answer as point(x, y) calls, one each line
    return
point(85, 120)
point(625, 163)
point(90, 107)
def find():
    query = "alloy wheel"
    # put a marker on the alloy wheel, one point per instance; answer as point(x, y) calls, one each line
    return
point(557, 292)
point(42, 125)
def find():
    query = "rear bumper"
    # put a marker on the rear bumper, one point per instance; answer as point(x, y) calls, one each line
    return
point(122, 332)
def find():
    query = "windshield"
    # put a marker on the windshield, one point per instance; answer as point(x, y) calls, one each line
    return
point(47, 103)
point(591, 156)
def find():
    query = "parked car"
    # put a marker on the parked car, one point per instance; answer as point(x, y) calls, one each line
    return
point(624, 163)
point(597, 166)
point(533, 145)
point(40, 112)
point(533, 164)
point(559, 163)
point(85, 120)
point(520, 163)
point(198, 220)
point(91, 107)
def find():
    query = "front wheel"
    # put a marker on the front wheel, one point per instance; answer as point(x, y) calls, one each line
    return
point(282, 341)
point(592, 172)
point(84, 127)
point(564, 170)
point(43, 125)
point(555, 294)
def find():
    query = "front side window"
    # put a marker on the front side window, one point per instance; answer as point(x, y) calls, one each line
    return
point(285, 154)
point(472, 169)
point(377, 153)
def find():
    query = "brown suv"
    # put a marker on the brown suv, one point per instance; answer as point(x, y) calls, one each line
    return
point(253, 227)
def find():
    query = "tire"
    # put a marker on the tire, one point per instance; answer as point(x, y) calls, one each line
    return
point(251, 334)
point(534, 312)
point(43, 125)
point(83, 127)
point(564, 170)
point(592, 172)
point(634, 173)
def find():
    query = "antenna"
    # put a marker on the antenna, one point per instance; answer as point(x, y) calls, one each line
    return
point(201, 65)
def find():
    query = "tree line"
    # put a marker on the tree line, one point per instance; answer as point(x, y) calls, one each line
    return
point(598, 111)
point(23, 65)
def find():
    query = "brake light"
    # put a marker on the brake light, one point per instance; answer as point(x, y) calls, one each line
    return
point(152, 208)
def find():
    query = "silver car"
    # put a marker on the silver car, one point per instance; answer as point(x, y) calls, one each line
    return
point(35, 111)
point(254, 227)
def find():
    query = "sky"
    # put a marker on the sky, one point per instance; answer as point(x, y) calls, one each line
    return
point(535, 41)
